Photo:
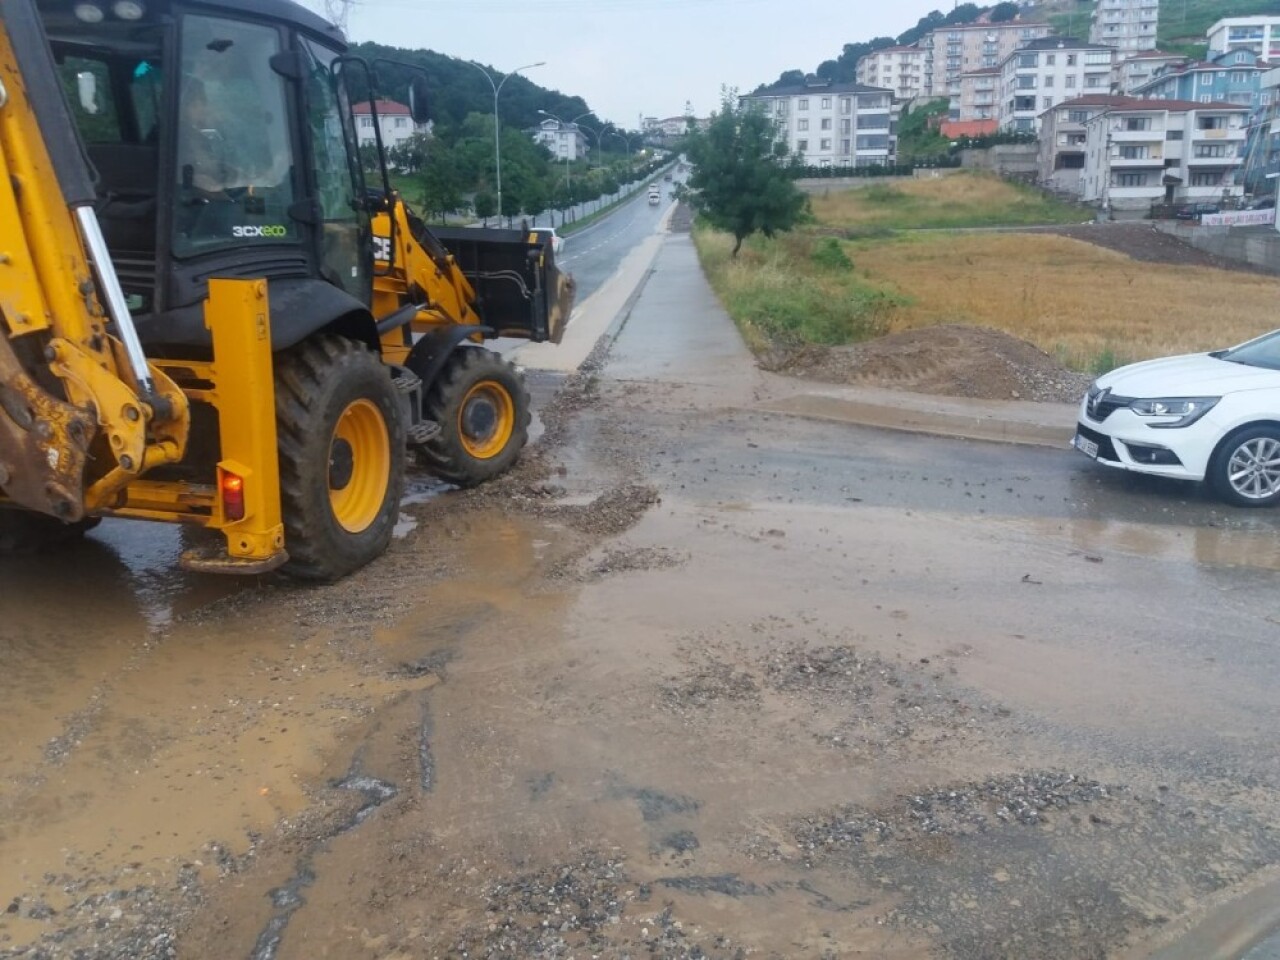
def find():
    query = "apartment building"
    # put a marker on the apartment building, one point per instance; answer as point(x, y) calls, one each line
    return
point(1128, 25)
point(1259, 35)
point(1063, 135)
point(1045, 72)
point(566, 141)
point(830, 124)
point(1142, 152)
point(1234, 77)
point(955, 50)
point(1262, 155)
point(900, 69)
point(980, 95)
point(1132, 72)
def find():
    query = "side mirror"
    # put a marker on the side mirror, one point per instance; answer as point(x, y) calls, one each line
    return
point(87, 88)
point(418, 93)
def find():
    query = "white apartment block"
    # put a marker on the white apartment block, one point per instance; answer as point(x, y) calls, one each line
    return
point(833, 124)
point(566, 141)
point(952, 51)
point(1063, 136)
point(1259, 34)
point(1143, 152)
point(1128, 25)
point(1133, 72)
point(980, 94)
point(1042, 74)
point(900, 69)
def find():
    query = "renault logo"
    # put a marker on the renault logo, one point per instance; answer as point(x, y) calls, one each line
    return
point(1096, 401)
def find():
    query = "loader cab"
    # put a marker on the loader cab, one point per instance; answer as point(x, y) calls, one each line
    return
point(224, 145)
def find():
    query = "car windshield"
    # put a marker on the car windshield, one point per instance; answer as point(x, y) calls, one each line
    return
point(1262, 352)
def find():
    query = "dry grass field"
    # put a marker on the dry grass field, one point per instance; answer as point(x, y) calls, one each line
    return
point(964, 199)
point(1093, 308)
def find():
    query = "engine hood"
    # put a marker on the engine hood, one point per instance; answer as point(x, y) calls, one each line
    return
point(1193, 375)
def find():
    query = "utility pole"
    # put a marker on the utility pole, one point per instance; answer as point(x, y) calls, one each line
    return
point(339, 12)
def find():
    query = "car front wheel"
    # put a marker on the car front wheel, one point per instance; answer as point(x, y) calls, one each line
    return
point(1246, 469)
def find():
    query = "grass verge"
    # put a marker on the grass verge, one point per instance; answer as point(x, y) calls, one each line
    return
point(794, 289)
point(963, 199)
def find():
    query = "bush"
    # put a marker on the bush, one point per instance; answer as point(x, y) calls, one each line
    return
point(828, 254)
point(884, 195)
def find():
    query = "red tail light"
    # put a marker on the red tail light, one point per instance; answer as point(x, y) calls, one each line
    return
point(232, 497)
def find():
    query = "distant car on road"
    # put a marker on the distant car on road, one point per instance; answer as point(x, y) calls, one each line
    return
point(1205, 416)
point(549, 233)
point(1194, 211)
point(667, 177)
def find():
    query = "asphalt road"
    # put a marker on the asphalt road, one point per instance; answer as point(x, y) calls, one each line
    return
point(593, 253)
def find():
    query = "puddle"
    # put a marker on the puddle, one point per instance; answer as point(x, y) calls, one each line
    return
point(1257, 548)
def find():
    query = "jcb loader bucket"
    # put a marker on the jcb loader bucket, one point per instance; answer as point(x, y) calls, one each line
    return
point(520, 292)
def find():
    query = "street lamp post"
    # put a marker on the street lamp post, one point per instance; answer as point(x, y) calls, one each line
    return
point(497, 141)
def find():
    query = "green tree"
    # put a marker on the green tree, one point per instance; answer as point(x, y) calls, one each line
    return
point(536, 197)
point(1004, 12)
point(486, 205)
point(740, 174)
point(442, 183)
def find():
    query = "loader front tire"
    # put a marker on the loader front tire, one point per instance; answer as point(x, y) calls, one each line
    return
point(341, 432)
point(24, 533)
point(482, 406)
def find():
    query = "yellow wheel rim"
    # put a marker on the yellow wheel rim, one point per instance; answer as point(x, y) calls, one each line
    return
point(359, 466)
point(486, 420)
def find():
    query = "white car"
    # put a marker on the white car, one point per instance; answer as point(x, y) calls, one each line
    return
point(549, 233)
point(1206, 416)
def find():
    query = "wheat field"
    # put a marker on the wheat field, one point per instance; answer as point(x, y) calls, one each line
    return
point(1089, 306)
point(963, 199)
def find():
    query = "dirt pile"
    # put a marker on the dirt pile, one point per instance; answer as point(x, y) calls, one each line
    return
point(953, 360)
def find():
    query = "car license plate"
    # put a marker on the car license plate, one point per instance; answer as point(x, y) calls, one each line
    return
point(1086, 446)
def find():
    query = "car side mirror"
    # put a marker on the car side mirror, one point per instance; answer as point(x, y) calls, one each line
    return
point(418, 99)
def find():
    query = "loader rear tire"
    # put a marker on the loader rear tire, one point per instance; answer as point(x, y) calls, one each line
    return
point(482, 406)
point(24, 533)
point(341, 432)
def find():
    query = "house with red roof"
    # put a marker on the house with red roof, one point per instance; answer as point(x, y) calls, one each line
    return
point(394, 120)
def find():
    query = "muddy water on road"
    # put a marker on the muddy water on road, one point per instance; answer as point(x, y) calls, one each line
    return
point(156, 724)
point(809, 710)
point(752, 724)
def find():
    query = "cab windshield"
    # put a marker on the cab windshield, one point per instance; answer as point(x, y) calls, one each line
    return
point(234, 153)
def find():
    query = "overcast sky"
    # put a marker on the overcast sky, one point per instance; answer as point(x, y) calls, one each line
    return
point(633, 57)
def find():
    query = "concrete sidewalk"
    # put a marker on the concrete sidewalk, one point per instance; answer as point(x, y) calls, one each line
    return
point(675, 331)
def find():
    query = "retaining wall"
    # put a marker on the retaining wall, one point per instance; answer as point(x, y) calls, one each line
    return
point(1259, 246)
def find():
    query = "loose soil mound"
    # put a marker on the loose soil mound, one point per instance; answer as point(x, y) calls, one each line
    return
point(1145, 243)
point(953, 360)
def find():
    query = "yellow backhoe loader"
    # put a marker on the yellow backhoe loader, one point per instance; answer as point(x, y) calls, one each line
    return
point(210, 313)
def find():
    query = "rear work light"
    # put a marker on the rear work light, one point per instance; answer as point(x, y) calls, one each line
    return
point(232, 497)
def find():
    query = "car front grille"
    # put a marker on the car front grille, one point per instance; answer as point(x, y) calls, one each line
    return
point(1103, 404)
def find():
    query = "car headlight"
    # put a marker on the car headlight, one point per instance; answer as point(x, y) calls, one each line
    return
point(1187, 409)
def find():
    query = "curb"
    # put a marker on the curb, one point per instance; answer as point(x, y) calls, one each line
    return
point(915, 414)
